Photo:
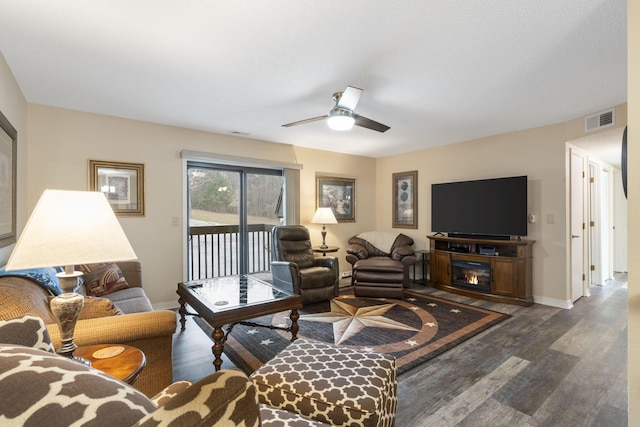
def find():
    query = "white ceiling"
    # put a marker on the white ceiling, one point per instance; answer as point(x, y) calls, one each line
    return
point(436, 72)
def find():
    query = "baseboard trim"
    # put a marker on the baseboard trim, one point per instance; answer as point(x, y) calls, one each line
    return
point(168, 305)
point(553, 302)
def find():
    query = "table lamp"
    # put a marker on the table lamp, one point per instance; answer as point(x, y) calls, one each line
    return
point(69, 228)
point(324, 216)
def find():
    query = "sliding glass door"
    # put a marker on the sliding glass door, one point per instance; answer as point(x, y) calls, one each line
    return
point(231, 212)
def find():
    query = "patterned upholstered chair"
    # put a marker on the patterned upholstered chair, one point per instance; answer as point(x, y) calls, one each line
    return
point(39, 387)
point(295, 267)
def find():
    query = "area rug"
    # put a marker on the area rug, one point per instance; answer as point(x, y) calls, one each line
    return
point(413, 330)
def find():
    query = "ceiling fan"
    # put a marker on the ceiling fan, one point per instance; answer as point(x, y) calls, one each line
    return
point(342, 117)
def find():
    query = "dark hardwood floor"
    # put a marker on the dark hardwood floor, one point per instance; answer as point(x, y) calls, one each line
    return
point(543, 367)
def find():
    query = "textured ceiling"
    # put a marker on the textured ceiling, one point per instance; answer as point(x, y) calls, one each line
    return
point(436, 72)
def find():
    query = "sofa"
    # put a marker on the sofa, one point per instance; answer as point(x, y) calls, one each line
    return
point(381, 245)
point(120, 314)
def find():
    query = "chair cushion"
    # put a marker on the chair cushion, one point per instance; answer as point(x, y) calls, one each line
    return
point(331, 384)
point(131, 300)
point(29, 331)
point(379, 265)
point(56, 391)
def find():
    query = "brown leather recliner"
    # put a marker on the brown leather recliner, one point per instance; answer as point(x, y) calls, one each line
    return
point(296, 269)
point(400, 250)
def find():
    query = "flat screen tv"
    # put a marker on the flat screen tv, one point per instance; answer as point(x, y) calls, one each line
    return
point(488, 208)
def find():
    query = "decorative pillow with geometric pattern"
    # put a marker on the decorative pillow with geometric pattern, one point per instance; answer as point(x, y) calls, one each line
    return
point(28, 331)
point(102, 279)
point(43, 389)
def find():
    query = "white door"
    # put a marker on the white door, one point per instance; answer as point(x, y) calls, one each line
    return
point(577, 227)
point(606, 235)
point(595, 219)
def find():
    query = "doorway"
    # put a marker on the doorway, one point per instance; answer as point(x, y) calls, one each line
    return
point(231, 211)
point(604, 209)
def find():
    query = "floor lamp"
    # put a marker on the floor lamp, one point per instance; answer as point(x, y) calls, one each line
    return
point(69, 228)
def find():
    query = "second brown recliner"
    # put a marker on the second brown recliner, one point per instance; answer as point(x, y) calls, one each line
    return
point(381, 263)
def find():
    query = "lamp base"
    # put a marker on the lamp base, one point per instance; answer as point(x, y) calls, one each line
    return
point(66, 308)
point(324, 236)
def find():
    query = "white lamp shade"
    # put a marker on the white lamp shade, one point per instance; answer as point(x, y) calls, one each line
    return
point(324, 216)
point(70, 228)
point(340, 122)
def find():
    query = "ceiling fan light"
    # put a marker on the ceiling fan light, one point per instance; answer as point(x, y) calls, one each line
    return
point(340, 119)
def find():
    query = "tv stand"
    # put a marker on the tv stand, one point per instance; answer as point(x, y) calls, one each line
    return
point(505, 265)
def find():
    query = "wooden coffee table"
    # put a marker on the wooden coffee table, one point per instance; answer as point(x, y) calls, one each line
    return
point(231, 300)
point(118, 360)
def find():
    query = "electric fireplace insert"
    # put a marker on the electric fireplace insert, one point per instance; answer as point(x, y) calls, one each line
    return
point(471, 275)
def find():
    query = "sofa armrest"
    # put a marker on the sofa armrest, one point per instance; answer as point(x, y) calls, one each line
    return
point(226, 397)
point(358, 250)
point(151, 332)
point(121, 329)
point(326, 261)
point(403, 251)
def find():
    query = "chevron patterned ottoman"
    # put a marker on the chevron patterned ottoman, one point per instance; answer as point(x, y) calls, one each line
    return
point(335, 385)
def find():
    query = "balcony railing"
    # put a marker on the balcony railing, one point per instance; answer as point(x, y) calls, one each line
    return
point(214, 250)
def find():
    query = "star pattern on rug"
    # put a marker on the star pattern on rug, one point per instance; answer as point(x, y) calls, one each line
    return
point(348, 320)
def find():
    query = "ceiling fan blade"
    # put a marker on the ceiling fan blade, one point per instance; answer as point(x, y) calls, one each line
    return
point(370, 124)
point(350, 98)
point(301, 122)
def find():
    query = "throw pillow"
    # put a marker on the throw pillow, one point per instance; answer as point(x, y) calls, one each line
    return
point(98, 307)
point(29, 331)
point(102, 279)
point(43, 389)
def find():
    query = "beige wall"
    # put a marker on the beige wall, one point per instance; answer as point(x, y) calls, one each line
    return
point(62, 142)
point(324, 163)
point(538, 153)
point(14, 108)
point(633, 189)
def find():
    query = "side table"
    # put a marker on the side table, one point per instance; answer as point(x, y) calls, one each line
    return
point(324, 251)
point(422, 259)
point(118, 360)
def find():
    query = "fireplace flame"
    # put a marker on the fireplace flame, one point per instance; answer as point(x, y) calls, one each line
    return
point(473, 280)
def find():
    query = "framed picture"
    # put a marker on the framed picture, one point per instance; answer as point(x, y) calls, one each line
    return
point(8, 192)
point(405, 200)
point(339, 194)
point(122, 183)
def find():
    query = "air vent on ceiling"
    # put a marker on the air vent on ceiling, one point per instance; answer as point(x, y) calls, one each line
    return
point(600, 120)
